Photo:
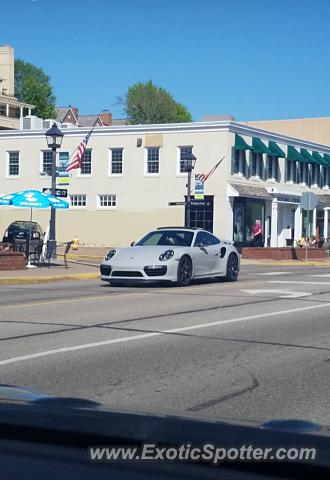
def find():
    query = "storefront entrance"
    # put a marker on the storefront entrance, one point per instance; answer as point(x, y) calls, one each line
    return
point(246, 212)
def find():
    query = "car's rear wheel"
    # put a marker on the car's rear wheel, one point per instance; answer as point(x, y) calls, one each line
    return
point(185, 270)
point(232, 268)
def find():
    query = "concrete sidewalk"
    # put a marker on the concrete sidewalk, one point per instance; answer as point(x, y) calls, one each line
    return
point(56, 272)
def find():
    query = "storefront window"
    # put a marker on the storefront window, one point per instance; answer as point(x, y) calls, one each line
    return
point(307, 223)
point(319, 223)
point(239, 223)
point(254, 211)
point(246, 212)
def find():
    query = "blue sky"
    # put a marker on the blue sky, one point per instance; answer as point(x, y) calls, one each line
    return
point(254, 59)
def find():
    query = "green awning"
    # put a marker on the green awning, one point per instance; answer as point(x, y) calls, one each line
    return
point(326, 157)
point(319, 159)
point(307, 156)
point(275, 150)
point(294, 155)
point(240, 143)
point(258, 146)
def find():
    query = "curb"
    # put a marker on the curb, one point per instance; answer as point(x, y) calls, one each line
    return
point(294, 263)
point(48, 278)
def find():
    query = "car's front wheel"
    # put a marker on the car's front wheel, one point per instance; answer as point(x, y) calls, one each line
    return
point(185, 271)
point(232, 268)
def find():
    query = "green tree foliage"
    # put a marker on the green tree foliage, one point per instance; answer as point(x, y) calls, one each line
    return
point(147, 103)
point(33, 86)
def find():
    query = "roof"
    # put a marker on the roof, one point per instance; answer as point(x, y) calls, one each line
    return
point(250, 191)
point(88, 120)
point(119, 121)
point(61, 112)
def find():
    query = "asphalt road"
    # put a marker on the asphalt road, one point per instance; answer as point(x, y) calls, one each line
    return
point(255, 349)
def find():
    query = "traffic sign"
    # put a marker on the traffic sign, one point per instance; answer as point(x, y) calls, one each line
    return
point(172, 204)
point(199, 188)
point(308, 201)
point(60, 192)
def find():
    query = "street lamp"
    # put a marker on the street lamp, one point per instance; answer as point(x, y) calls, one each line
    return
point(54, 138)
point(189, 161)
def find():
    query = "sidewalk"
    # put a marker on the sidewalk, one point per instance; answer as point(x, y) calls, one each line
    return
point(75, 271)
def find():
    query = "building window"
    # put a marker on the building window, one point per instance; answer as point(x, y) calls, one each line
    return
point(303, 173)
point(272, 168)
point(47, 162)
point(78, 200)
point(326, 177)
point(116, 161)
point(13, 164)
point(86, 163)
point(107, 201)
point(315, 174)
point(291, 171)
point(256, 165)
point(153, 160)
point(239, 166)
point(184, 151)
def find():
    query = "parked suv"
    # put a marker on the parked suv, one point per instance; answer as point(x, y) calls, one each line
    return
point(17, 234)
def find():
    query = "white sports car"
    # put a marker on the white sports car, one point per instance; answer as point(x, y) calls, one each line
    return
point(172, 254)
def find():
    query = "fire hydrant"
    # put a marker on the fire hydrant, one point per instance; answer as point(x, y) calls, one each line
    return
point(75, 243)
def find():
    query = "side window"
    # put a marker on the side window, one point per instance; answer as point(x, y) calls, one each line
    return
point(205, 238)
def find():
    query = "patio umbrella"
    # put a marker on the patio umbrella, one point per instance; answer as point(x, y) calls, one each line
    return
point(32, 199)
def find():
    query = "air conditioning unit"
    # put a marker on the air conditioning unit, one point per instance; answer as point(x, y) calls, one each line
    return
point(49, 122)
point(31, 122)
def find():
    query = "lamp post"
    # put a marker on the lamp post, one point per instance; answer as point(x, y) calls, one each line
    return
point(54, 138)
point(189, 160)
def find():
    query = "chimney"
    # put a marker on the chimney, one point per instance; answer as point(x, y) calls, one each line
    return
point(7, 70)
point(106, 117)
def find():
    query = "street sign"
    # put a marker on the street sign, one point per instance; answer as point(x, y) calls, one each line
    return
point(60, 192)
point(199, 189)
point(308, 201)
point(172, 204)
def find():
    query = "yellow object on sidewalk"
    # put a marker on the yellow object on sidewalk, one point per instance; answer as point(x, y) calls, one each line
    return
point(75, 243)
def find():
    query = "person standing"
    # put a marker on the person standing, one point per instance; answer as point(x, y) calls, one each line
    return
point(257, 234)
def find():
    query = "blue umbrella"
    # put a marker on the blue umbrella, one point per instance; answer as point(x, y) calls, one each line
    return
point(32, 199)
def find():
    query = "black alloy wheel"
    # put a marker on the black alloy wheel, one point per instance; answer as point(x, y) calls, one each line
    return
point(185, 270)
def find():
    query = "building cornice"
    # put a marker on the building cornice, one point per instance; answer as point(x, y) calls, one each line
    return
point(193, 127)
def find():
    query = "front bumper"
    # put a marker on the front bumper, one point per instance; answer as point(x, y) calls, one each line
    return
point(158, 272)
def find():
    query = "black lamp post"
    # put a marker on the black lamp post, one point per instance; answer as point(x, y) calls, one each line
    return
point(189, 160)
point(54, 138)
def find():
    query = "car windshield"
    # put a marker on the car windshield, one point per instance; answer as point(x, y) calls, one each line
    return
point(167, 237)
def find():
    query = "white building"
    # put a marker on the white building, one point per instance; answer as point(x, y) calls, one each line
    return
point(131, 173)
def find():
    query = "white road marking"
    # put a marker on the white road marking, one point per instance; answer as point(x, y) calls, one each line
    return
point(84, 346)
point(274, 273)
point(320, 275)
point(286, 293)
point(299, 283)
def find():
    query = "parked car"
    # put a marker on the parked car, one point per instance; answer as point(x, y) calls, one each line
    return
point(17, 234)
point(173, 254)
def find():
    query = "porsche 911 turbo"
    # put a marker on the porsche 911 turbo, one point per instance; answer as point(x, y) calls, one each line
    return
point(172, 254)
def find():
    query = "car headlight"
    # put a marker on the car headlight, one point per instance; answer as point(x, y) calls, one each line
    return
point(166, 255)
point(110, 254)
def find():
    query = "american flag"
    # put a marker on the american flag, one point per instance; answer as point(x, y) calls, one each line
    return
point(77, 161)
point(204, 176)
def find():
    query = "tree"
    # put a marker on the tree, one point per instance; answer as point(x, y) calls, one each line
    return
point(147, 103)
point(33, 86)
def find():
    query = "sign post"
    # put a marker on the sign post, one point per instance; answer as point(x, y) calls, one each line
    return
point(308, 202)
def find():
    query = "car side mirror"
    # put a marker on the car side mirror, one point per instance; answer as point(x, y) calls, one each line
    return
point(202, 245)
point(132, 244)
